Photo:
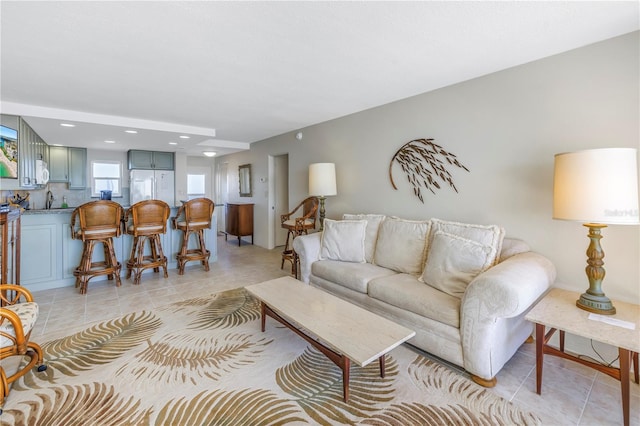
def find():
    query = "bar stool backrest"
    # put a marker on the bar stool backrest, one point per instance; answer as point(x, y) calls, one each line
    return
point(148, 217)
point(96, 220)
point(198, 212)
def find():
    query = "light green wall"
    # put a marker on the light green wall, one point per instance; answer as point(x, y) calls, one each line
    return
point(505, 127)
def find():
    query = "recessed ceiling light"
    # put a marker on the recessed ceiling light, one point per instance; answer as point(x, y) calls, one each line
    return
point(67, 125)
point(209, 153)
point(131, 131)
point(184, 137)
point(109, 141)
point(57, 144)
point(173, 143)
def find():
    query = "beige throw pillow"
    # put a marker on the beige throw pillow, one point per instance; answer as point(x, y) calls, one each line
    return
point(371, 233)
point(401, 245)
point(488, 235)
point(454, 261)
point(343, 240)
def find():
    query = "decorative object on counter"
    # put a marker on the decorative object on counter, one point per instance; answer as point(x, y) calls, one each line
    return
point(322, 183)
point(97, 222)
point(412, 158)
point(64, 203)
point(148, 221)
point(20, 200)
point(193, 217)
point(596, 187)
point(297, 226)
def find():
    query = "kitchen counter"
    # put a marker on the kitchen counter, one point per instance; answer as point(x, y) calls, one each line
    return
point(49, 211)
point(49, 255)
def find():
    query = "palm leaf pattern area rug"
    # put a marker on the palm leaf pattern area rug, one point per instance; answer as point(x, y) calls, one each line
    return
point(205, 362)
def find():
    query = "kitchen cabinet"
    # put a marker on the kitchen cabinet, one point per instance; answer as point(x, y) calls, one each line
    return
point(77, 168)
point(31, 147)
point(67, 164)
point(239, 220)
point(156, 160)
point(58, 164)
point(10, 240)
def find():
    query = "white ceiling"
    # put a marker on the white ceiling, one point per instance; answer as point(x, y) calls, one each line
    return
point(232, 73)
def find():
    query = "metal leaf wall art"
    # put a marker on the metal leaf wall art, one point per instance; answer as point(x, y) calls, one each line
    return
point(425, 163)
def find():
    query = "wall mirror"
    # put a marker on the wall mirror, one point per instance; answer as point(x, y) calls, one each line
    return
point(245, 180)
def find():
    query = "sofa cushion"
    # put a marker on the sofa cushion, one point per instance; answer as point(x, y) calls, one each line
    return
point(343, 240)
point(402, 244)
point(511, 247)
point(371, 233)
point(454, 261)
point(355, 276)
point(488, 235)
point(404, 291)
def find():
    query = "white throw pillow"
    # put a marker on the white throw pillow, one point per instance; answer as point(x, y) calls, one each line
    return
point(488, 235)
point(371, 233)
point(401, 245)
point(343, 240)
point(454, 261)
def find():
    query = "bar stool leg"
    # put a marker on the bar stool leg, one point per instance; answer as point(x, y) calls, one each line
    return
point(158, 250)
point(115, 265)
point(132, 257)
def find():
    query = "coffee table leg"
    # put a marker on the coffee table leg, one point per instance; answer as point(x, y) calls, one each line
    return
point(382, 372)
point(263, 315)
point(346, 367)
point(539, 356)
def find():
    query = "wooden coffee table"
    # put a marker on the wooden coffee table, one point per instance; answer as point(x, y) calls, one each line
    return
point(342, 331)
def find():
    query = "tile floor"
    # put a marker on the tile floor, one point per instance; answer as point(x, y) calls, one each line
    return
point(571, 394)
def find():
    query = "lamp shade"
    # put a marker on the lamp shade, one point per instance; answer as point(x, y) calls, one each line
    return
point(322, 179)
point(597, 186)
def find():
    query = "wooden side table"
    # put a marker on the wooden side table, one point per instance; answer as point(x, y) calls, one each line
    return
point(558, 311)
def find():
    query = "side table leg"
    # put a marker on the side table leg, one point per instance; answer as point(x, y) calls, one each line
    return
point(625, 356)
point(539, 356)
point(263, 315)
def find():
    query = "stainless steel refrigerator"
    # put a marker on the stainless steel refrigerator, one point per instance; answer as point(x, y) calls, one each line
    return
point(152, 184)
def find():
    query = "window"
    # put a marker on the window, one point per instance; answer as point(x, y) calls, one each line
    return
point(195, 186)
point(106, 175)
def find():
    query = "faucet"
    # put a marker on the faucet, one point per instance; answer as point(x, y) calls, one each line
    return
point(49, 200)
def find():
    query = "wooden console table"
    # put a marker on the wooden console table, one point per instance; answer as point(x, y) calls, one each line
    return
point(558, 311)
point(239, 220)
point(10, 247)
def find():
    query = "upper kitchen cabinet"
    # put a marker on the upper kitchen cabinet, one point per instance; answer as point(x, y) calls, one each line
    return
point(31, 147)
point(156, 160)
point(67, 164)
point(58, 164)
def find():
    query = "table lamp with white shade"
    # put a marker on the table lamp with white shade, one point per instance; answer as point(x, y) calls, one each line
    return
point(322, 183)
point(597, 187)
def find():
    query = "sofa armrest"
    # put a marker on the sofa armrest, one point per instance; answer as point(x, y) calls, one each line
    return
point(509, 288)
point(308, 249)
point(501, 294)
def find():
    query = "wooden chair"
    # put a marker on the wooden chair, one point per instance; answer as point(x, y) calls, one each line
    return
point(193, 217)
point(296, 226)
point(146, 221)
point(18, 315)
point(93, 223)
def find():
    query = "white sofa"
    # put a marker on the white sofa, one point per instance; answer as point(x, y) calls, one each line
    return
point(463, 288)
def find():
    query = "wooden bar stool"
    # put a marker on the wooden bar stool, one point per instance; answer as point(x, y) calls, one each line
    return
point(296, 226)
point(146, 221)
point(93, 223)
point(193, 217)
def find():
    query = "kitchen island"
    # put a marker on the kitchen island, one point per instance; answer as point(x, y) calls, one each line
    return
point(49, 255)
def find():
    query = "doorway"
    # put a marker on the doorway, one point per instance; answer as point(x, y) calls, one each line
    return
point(279, 197)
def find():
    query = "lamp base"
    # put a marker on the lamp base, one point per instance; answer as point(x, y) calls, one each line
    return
point(597, 304)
